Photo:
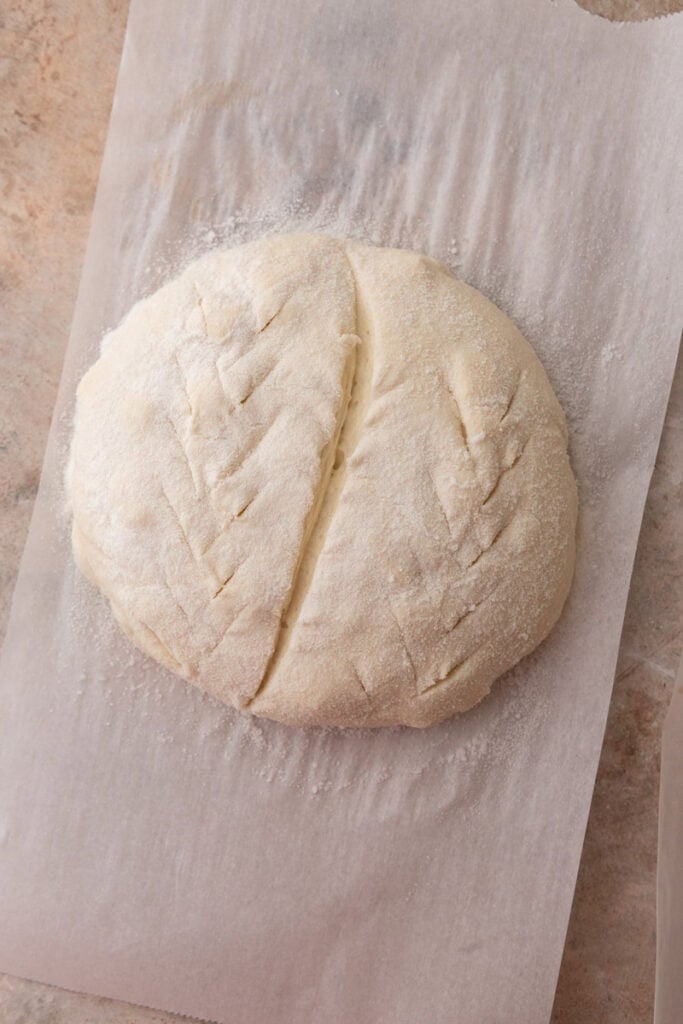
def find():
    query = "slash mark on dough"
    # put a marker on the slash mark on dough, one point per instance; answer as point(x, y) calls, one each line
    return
point(352, 413)
point(184, 453)
point(176, 517)
point(504, 472)
point(224, 584)
point(511, 401)
point(404, 640)
point(269, 322)
point(461, 420)
point(445, 678)
point(357, 677)
point(483, 551)
point(159, 642)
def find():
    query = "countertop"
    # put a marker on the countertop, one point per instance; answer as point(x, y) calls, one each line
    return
point(58, 64)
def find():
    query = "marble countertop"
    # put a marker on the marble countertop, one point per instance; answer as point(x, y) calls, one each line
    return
point(58, 64)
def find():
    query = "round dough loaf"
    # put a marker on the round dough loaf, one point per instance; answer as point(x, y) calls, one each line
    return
point(325, 482)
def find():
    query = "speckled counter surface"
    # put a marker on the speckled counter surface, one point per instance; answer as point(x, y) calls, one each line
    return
point(58, 64)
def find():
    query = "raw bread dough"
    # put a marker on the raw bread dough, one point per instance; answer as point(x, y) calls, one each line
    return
point(324, 482)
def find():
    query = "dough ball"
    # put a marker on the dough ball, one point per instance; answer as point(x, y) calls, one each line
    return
point(324, 482)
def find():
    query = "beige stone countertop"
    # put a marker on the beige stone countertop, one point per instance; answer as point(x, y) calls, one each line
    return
point(58, 64)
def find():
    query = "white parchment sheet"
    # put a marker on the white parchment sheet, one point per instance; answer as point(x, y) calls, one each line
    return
point(157, 846)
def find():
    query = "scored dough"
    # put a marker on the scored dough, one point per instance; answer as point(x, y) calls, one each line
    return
point(325, 482)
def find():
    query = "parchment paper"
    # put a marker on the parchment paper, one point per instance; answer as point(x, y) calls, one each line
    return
point(158, 847)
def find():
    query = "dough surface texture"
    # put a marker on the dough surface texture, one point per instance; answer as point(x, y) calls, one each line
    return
point(324, 482)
